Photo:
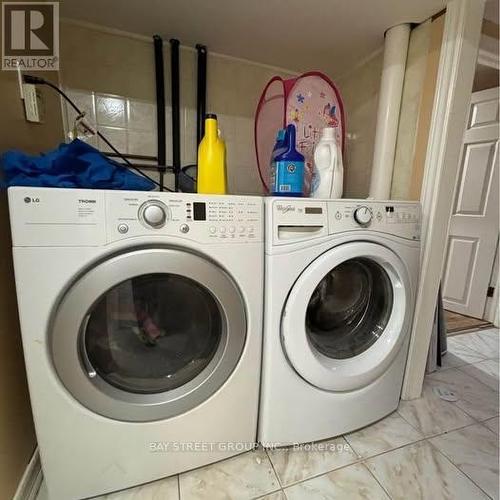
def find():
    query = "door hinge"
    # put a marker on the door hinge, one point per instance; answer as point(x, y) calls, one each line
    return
point(490, 292)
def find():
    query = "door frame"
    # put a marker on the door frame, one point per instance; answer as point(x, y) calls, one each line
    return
point(459, 49)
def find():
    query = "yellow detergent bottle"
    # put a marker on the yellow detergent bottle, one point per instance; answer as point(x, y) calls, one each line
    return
point(212, 160)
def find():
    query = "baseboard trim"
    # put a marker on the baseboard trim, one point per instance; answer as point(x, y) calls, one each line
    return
point(31, 480)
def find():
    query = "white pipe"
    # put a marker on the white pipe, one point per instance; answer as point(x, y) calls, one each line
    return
point(389, 104)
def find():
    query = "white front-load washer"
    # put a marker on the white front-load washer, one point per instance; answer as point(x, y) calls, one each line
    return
point(141, 318)
point(341, 281)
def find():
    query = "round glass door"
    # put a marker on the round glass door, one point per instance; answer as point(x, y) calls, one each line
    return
point(349, 308)
point(148, 334)
point(347, 316)
point(141, 337)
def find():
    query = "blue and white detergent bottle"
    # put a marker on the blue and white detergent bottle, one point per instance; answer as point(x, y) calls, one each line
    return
point(279, 147)
point(289, 178)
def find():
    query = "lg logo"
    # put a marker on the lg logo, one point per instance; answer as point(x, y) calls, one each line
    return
point(28, 199)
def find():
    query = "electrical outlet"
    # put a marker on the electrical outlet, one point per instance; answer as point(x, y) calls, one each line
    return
point(33, 104)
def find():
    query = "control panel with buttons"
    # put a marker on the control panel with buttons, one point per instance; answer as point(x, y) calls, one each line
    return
point(303, 219)
point(209, 218)
point(392, 217)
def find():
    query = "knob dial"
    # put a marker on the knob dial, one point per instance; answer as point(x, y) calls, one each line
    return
point(363, 216)
point(153, 213)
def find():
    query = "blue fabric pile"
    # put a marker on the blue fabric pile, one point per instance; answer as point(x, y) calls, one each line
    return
point(73, 165)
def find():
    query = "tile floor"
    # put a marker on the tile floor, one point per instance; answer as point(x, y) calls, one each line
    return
point(428, 449)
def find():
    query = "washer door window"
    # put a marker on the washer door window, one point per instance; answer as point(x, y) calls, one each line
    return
point(148, 334)
point(140, 336)
point(346, 316)
point(349, 309)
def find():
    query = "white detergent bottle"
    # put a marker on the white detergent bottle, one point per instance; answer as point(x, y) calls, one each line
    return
point(328, 177)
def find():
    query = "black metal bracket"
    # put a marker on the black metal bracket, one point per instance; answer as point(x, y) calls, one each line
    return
point(201, 92)
point(176, 126)
point(160, 108)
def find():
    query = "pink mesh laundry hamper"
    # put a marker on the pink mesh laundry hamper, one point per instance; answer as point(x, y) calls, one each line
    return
point(311, 102)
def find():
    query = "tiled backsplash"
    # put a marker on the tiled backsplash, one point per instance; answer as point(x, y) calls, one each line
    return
point(130, 125)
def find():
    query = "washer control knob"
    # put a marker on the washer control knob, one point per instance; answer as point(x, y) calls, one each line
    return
point(363, 216)
point(153, 213)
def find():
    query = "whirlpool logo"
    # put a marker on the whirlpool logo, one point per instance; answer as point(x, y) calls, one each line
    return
point(284, 209)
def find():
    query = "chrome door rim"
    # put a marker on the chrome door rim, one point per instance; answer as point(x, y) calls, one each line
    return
point(94, 392)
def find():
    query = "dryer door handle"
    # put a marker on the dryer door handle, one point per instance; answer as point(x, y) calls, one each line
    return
point(83, 351)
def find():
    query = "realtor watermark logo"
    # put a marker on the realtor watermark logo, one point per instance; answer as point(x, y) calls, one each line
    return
point(30, 36)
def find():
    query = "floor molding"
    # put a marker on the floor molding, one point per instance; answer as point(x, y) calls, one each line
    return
point(470, 330)
point(457, 323)
point(31, 480)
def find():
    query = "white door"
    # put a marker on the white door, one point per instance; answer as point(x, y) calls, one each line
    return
point(347, 316)
point(473, 230)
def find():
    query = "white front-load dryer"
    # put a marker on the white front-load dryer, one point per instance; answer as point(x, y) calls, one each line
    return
point(341, 280)
point(141, 325)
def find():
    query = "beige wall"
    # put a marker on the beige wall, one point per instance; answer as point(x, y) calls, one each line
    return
point(15, 131)
point(426, 106)
point(98, 64)
point(485, 78)
point(106, 63)
point(17, 437)
point(360, 89)
point(413, 88)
